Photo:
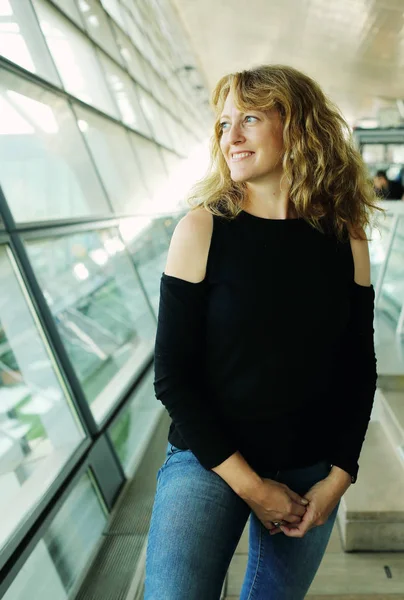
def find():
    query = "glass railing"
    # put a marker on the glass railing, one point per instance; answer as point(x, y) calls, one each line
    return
point(387, 263)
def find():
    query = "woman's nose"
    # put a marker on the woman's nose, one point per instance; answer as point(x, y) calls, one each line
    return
point(235, 134)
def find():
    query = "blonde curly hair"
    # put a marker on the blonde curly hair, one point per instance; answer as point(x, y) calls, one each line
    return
point(329, 182)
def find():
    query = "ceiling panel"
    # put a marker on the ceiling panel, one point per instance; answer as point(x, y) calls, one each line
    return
point(354, 48)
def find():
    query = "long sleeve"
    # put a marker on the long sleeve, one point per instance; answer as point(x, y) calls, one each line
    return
point(354, 405)
point(179, 370)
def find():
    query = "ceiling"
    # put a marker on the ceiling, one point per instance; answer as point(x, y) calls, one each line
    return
point(353, 48)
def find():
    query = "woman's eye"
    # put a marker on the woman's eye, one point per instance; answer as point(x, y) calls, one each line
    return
point(248, 117)
point(222, 125)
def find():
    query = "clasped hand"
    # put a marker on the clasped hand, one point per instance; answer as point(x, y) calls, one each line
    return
point(276, 502)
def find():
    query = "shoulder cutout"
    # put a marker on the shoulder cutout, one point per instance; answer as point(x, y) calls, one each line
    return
point(360, 253)
point(189, 247)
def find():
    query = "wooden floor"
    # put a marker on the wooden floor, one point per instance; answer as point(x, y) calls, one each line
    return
point(342, 576)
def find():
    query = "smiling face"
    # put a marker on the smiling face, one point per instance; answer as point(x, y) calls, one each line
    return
point(251, 142)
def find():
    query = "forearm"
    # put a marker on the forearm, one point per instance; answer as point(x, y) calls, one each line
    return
point(340, 479)
point(238, 474)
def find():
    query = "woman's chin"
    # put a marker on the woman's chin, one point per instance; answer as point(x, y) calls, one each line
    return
point(238, 177)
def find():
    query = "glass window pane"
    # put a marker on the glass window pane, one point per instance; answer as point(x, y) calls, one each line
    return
point(155, 116)
point(116, 162)
point(177, 134)
point(137, 36)
point(392, 295)
point(38, 432)
point(21, 40)
point(98, 26)
point(148, 69)
point(133, 9)
point(124, 91)
point(45, 170)
point(75, 59)
point(100, 310)
point(70, 8)
point(113, 8)
point(395, 153)
point(133, 59)
point(147, 241)
point(378, 245)
point(171, 160)
point(373, 153)
point(132, 428)
point(155, 84)
point(61, 556)
point(152, 165)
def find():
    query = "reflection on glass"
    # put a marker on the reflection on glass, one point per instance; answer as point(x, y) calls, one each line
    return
point(116, 162)
point(178, 134)
point(100, 310)
point(21, 39)
point(38, 432)
point(156, 117)
point(136, 34)
point(60, 557)
point(378, 245)
point(159, 88)
point(171, 160)
point(98, 26)
point(151, 163)
point(124, 91)
point(392, 294)
point(75, 58)
point(45, 170)
point(131, 430)
point(147, 241)
point(70, 8)
point(173, 104)
point(134, 61)
point(113, 8)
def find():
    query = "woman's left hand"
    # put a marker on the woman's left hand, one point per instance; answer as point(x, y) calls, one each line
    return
point(323, 497)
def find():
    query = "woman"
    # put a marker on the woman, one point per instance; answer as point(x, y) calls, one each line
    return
point(264, 352)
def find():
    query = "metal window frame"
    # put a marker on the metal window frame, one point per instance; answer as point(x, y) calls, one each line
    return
point(14, 234)
point(94, 431)
point(61, 92)
point(89, 461)
point(53, 232)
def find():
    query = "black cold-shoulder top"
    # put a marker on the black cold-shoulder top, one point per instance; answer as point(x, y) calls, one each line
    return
point(272, 353)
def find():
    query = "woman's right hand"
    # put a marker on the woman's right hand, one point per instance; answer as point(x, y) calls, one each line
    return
point(274, 502)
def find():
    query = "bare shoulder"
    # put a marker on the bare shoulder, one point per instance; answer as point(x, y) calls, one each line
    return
point(189, 247)
point(360, 253)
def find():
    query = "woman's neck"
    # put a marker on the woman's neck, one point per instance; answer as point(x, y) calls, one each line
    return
point(269, 202)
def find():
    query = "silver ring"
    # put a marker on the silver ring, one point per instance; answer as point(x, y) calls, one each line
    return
point(277, 523)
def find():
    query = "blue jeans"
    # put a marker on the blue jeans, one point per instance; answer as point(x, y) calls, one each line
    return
point(197, 522)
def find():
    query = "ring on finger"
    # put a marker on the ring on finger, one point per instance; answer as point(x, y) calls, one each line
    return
point(277, 523)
